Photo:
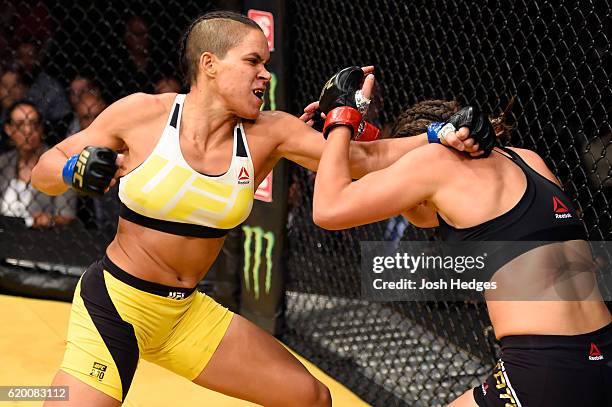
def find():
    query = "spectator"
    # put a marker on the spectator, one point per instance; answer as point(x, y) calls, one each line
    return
point(21, 19)
point(167, 84)
point(105, 208)
point(79, 86)
point(136, 39)
point(14, 85)
point(46, 92)
point(134, 71)
point(90, 105)
point(24, 126)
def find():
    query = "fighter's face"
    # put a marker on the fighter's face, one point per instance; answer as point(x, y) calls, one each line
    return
point(242, 76)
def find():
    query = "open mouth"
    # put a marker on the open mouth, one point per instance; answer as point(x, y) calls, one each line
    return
point(259, 93)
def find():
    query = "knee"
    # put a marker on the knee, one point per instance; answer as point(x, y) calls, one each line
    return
point(318, 395)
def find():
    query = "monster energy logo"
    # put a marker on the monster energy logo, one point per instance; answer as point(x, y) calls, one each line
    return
point(256, 235)
point(271, 93)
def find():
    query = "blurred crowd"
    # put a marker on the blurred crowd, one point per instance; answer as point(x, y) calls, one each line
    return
point(37, 110)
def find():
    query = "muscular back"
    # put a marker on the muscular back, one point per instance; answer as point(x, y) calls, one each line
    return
point(495, 184)
point(557, 280)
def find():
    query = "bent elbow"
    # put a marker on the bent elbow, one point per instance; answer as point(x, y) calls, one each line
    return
point(320, 218)
point(39, 179)
point(35, 178)
point(322, 221)
point(324, 218)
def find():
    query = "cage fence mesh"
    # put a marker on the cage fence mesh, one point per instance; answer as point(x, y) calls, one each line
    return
point(550, 56)
point(71, 59)
point(62, 64)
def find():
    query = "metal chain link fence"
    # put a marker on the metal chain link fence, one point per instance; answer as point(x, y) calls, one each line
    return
point(551, 56)
point(63, 62)
point(71, 59)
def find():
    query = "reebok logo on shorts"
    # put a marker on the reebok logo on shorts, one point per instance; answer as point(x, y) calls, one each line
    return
point(560, 209)
point(595, 353)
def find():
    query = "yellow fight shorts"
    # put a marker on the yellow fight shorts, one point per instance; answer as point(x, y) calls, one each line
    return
point(116, 319)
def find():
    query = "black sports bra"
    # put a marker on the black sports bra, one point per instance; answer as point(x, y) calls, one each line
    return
point(544, 213)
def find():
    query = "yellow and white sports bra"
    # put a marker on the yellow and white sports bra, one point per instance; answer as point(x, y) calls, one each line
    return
point(164, 193)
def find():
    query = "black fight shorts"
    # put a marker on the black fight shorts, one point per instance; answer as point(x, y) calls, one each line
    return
point(551, 371)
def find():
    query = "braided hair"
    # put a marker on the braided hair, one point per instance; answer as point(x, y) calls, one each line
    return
point(415, 119)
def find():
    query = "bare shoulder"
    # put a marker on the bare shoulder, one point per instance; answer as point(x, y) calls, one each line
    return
point(275, 115)
point(536, 162)
point(527, 155)
point(118, 123)
point(138, 107)
point(279, 127)
point(271, 120)
point(433, 155)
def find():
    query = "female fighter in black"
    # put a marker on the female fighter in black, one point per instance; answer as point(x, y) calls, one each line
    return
point(555, 351)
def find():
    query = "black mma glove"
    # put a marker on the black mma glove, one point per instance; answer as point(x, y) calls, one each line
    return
point(343, 103)
point(340, 90)
point(91, 171)
point(480, 127)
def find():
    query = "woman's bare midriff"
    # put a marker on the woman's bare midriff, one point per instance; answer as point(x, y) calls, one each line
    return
point(547, 317)
point(160, 257)
point(551, 290)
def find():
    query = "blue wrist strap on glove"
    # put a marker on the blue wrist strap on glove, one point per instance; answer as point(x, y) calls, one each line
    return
point(68, 170)
point(432, 132)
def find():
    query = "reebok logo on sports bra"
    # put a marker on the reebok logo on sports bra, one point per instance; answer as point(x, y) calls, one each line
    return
point(243, 177)
point(561, 210)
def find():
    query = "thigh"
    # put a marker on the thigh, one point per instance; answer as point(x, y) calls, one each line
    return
point(193, 336)
point(499, 389)
point(465, 400)
point(101, 348)
point(252, 365)
point(80, 394)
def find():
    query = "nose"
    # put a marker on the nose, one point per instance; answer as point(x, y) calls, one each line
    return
point(265, 74)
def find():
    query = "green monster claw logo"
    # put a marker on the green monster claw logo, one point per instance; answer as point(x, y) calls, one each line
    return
point(258, 235)
point(271, 94)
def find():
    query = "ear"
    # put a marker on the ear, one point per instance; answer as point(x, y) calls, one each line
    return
point(208, 64)
point(8, 129)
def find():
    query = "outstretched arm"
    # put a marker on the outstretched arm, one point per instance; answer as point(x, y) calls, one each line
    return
point(304, 146)
point(340, 202)
point(363, 157)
